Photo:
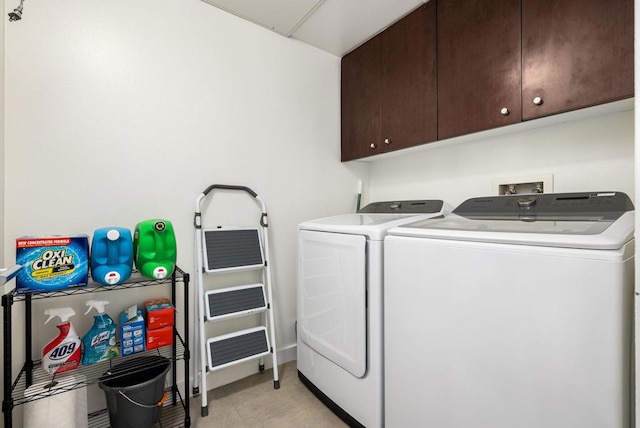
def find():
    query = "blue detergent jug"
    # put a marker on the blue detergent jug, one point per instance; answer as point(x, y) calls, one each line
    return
point(154, 248)
point(111, 255)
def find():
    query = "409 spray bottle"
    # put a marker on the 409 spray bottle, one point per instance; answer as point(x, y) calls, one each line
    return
point(63, 352)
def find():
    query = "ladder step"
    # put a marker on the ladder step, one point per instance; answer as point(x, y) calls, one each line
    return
point(235, 301)
point(232, 250)
point(224, 351)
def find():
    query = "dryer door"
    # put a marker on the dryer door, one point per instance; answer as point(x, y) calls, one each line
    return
point(332, 297)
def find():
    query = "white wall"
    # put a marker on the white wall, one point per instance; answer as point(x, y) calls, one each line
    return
point(583, 154)
point(121, 111)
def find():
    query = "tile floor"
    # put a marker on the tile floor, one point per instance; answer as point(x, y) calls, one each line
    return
point(252, 402)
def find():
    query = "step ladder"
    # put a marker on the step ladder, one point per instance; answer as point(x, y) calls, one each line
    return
point(228, 250)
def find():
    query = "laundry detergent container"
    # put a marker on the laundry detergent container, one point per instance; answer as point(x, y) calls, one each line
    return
point(135, 391)
point(154, 248)
point(111, 255)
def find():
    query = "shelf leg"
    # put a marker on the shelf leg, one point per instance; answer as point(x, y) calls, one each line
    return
point(7, 402)
point(28, 346)
point(174, 372)
point(187, 356)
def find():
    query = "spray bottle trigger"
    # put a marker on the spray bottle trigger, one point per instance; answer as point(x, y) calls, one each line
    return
point(63, 313)
point(98, 305)
point(51, 316)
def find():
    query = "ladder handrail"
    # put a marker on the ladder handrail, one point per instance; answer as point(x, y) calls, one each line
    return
point(197, 221)
point(229, 187)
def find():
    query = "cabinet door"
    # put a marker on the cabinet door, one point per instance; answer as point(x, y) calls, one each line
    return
point(360, 93)
point(575, 53)
point(479, 65)
point(408, 80)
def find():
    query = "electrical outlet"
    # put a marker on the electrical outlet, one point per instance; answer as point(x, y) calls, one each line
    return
point(541, 183)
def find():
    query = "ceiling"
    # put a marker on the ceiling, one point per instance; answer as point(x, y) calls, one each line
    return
point(335, 26)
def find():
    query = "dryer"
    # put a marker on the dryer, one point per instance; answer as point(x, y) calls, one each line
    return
point(339, 306)
point(513, 311)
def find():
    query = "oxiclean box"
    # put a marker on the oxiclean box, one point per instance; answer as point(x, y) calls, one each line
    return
point(52, 263)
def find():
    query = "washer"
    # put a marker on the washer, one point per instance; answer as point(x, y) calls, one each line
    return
point(513, 311)
point(339, 296)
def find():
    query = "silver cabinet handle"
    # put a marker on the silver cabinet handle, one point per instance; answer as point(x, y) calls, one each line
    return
point(387, 141)
point(372, 145)
point(537, 101)
point(504, 111)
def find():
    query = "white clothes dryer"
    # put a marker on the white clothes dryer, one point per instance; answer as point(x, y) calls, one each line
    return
point(339, 306)
point(513, 311)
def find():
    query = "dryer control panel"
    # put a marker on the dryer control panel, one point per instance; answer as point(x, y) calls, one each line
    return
point(424, 206)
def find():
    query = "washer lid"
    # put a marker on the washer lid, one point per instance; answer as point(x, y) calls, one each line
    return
point(588, 206)
point(372, 223)
point(602, 220)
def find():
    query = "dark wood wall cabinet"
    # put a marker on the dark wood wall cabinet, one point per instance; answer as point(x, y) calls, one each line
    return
point(478, 65)
point(389, 88)
point(575, 54)
point(499, 62)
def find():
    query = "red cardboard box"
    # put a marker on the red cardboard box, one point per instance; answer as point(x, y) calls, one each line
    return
point(159, 313)
point(159, 337)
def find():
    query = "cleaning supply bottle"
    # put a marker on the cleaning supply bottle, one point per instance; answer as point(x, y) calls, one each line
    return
point(154, 248)
point(111, 255)
point(62, 353)
point(100, 341)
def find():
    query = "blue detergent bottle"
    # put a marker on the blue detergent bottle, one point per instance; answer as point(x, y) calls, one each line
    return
point(154, 247)
point(99, 343)
point(111, 255)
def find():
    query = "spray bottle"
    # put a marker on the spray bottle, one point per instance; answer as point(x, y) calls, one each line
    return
point(100, 341)
point(63, 352)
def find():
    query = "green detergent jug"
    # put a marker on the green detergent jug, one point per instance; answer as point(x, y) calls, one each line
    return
point(154, 248)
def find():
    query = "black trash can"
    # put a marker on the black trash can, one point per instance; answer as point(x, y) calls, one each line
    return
point(134, 390)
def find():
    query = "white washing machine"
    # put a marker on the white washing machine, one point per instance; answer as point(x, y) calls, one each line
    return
point(339, 296)
point(513, 311)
